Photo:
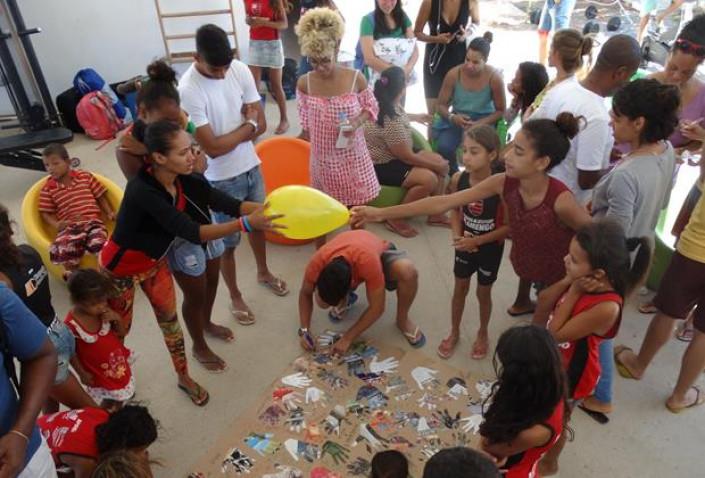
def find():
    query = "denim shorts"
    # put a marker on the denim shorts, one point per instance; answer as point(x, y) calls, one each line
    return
point(65, 345)
point(248, 186)
point(190, 258)
point(555, 16)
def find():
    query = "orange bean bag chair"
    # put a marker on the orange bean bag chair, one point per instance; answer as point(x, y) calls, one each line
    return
point(284, 162)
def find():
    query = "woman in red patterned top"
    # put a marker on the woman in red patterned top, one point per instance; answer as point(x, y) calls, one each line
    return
point(542, 211)
point(588, 304)
point(101, 360)
point(525, 417)
point(77, 438)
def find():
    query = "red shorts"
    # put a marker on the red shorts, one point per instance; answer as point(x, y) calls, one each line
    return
point(76, 240)
point(682, 288)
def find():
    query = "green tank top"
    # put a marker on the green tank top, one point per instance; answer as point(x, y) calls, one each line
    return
point(475, 104)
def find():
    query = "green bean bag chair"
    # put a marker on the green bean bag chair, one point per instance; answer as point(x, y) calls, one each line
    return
point(393, 195)
point(663, 251)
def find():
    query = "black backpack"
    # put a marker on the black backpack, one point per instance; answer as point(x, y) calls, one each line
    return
point(7, 358)
point(290, 75)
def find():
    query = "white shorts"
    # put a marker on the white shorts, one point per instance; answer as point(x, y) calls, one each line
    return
point(41, 465)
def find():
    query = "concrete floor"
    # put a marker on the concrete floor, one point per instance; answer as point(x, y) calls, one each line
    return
point(642, 440)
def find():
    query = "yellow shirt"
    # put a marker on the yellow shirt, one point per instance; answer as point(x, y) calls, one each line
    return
point(691, 243)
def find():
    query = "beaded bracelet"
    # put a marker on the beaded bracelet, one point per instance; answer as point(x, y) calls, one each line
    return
point(19, 433)
point(245, 224)
point(242, 224)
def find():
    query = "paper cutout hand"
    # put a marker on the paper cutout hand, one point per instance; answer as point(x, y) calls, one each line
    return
point(337, 452)
point(272, 414)
point(428, 401)
point(447, 419)
point(328, 338)
point(375, 398)
point(358, 409)
point(471, 423)
point(335, 381)
point(362, 349)
point(359, 467)
point(297, 380)
point(262, 444)
point(457, 391)
point(296, 420)
point(237, 461)
point(308, 451)
point(398, 388)
point(315, 396)
point(484, 388)
point(425, 377)
point(365, 432)
point(356, 364)
point(332, 422)
point(386, 366)
point(285, 472)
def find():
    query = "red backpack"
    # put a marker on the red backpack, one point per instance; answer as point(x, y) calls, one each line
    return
point(96, 115)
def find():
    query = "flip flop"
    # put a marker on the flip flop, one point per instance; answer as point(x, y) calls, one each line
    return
point(404, 231)
point(276, 285)
point(623, 371)
point(475, 355)
point(599, 417)
point(699, 400)
point(647, 308)
point(445, 351)
point(199, 396)
point(519, 314)
point(417, 339)
point(206, 363)
point(685, 334)
point(227, 339)
point(243, 317)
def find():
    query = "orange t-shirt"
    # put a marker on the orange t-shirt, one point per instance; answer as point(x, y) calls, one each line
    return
point(362, 250)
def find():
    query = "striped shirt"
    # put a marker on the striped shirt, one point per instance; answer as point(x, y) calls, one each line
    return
point(79, 199)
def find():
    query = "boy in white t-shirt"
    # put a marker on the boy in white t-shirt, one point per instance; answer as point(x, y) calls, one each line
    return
point(219, 94)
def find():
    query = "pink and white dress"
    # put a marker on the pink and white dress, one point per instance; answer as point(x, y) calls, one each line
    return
point(348, 174)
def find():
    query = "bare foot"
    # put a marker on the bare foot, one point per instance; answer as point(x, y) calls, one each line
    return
point(628, 361)
point(439, 220)
point(275, 284)
point(547, 469)
point(282, 128)
point(219, 332)
point(198, 395)
point(447, 346)
point(693, 398)
point(210, 361)
point(401, 227)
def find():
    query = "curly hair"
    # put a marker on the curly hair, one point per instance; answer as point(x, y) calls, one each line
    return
point(655, 102)
point(9, 253)
point(320, 31)
point(122, 463)
point(131, 427)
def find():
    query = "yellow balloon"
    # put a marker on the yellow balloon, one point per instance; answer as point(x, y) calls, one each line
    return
point(308, 213)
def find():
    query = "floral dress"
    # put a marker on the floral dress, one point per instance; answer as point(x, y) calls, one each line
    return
point(105, 357)
point(346, 174)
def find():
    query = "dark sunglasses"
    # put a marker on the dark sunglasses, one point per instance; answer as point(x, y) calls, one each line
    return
point(687, 46)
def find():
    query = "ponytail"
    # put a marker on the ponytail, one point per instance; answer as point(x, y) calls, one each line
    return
point(391, 82)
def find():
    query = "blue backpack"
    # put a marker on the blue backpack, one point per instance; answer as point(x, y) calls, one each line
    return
point(87, 80)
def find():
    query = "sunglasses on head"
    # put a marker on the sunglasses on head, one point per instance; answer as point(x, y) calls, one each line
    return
point(687, 46)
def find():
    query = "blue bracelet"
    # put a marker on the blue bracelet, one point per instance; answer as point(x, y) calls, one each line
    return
point(248, 228)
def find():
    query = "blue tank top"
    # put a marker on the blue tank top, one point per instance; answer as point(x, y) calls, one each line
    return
point(475, 104)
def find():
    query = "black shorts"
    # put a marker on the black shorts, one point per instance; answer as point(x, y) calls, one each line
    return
point(393, 173)
point(485, 262)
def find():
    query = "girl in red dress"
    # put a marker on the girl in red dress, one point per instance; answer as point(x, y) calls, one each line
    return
point(602, 267)
point(525, 417)
point(101, 360)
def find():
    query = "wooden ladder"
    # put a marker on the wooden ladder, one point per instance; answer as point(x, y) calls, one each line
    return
point(187, 56)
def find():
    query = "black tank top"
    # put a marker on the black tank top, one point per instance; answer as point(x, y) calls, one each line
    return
point(30, 281)
point(482, 216)
point(437, 24)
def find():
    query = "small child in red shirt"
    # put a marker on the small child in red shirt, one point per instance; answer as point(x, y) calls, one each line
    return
point(602, 267)
point(101, 360)
point(71, 201)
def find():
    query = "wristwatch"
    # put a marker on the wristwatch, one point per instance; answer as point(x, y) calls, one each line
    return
point(252, 122)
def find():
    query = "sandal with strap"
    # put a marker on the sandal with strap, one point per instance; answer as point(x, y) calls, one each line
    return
point(198, 395)
point(242, 317)
point(447, 347)
point(479, 352)
point(276, 285)
point(417, 339)
point(699, 400)
point(621, 368)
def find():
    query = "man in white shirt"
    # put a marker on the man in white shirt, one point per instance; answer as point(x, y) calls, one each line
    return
point(220, 95)
point(590, 150)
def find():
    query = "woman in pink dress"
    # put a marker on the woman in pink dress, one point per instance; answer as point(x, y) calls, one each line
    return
point(333, 103)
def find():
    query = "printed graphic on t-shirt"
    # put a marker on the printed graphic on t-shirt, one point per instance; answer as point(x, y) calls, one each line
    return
point(35, 280)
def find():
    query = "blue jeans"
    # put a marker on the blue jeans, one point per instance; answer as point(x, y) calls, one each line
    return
point(248, 186)
point(555, 17)
point(65, 344)
point(191, 259)
point(448, 138)
point(603, 390)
